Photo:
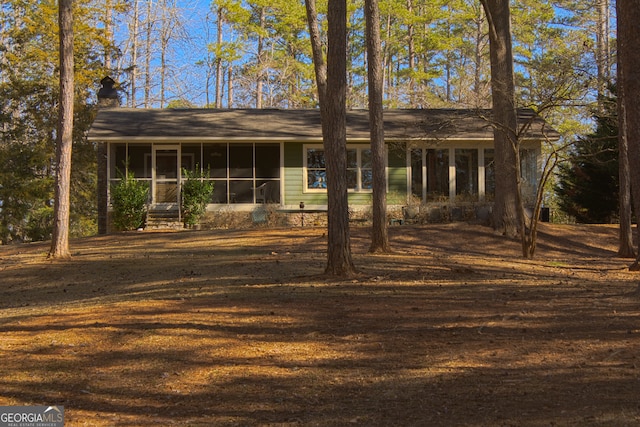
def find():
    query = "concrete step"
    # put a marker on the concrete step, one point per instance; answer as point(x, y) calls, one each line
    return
point(164, 220)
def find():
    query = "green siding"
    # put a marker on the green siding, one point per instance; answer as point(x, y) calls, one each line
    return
point(293, 179)
point(294, 182)
point(397, 174)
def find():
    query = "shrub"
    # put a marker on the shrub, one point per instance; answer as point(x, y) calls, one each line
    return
point(129, 200)
point(196, 194)
point(40, 224)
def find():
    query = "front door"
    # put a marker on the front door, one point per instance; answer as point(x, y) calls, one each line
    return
point(166, 179)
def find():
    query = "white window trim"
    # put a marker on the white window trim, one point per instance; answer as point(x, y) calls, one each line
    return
point(358, 147)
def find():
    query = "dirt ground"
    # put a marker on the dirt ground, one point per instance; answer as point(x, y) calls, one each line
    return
point(240, 328)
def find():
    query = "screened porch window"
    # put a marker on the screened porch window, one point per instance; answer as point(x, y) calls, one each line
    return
point(126, 159)
point(243, 173)
point(467, 174)
point(130, 158)
point(430, 174)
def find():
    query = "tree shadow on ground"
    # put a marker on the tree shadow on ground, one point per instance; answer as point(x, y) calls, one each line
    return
point(206, 329)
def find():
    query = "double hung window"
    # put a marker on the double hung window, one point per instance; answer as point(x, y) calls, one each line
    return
point(359, 171)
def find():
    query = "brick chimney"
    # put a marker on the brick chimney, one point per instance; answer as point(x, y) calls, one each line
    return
point(107, 98)
point(108, 94)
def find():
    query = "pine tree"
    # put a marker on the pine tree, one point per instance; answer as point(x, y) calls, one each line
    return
point(588, 183)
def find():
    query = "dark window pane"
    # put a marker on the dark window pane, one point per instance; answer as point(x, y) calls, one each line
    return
point(166, 164)
point(219, 192)
point(315, 158)
point(140, 160)
point(241, 160)
point(352, 179)
point(437, 174)
point(118, 160)
point(191, 157)
point(528, 168)
point(268, 192)
point(214, 159)
point(241, 191)
point(267, 161)
point(367, 179)
point(352, 159)
point(365, 159)
point(467, 172)
point(489, 173)
point(416, 172)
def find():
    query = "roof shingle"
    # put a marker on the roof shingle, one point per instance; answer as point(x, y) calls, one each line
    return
point(296, 125)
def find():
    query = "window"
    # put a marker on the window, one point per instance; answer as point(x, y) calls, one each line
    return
point(467, 173)
point(135, 158)
point(528, 172)
point(437, 174)
point(316, 169)
point(243, 173)
point(489, 174)
point(359, 169)
point(416, 173)
point(191, 157)
point(430, 174)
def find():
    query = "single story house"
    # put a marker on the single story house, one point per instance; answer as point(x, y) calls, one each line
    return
point(259, 156)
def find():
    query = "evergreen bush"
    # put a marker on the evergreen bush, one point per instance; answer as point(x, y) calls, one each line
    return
point(197, 190)
point(40, 224)
point(129, 199)
point(588, 183)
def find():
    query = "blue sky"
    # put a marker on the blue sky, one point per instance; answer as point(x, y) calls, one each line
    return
point(186, 79)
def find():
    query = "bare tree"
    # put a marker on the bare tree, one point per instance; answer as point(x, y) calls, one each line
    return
point(219, 21)
point(260, 58)
point(170, 30)
point(602, 49)
point(332, 90)
point(149, 24)
point(60, 238)
point(134, 26)
point(379, 235)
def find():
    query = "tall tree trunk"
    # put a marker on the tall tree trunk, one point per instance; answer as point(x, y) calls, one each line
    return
point(219, 58)
point(602, 49)
point(319, 63)
point(60, 238)
point(477, 68)
point(164, 44)
point(108, 31)
point(334, 113)
point(506, 212)
point(411, 53)
point(134, 54)
point(260, 76)
point(147, 56)
point(628, 14)
point(230, 87)
point(332, 91)
point(625, 248)
point(379, 235)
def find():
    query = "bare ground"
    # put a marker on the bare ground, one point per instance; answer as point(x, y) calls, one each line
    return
point(240, 328)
